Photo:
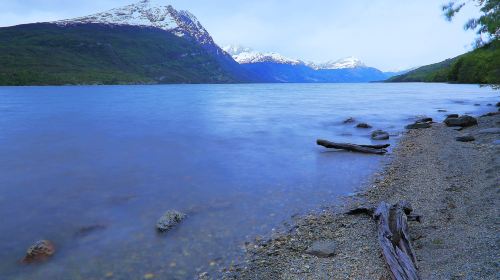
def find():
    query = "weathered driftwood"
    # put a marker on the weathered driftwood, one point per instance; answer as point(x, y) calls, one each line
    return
point(368, 149)
point(395, 240)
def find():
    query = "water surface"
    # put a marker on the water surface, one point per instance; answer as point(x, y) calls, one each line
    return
point(92, 168)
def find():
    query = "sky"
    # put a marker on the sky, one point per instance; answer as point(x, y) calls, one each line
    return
point(387, 34)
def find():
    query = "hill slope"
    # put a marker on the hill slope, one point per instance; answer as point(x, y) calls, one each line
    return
point(481, 66)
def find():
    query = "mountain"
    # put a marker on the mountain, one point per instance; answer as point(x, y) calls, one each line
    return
point(481, 66)
point(344, 63)
point(274, 67)
point(137, 43)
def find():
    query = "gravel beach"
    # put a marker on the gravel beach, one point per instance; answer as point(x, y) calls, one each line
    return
point(454, 185)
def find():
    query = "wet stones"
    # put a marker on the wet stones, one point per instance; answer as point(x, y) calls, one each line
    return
point(462, 121)
point(169, 220)
point(418, 125)
point(380, 135)
point(322, 248)
point(39, 251)
point(363, 125)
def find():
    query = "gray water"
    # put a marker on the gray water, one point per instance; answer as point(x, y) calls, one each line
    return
point(92, 168)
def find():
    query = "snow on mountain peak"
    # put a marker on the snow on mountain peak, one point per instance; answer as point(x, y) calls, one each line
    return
point(344, 63)
point(147, 13)
point(244, 55)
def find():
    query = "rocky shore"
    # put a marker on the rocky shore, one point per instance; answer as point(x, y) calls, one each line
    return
point(453, 185)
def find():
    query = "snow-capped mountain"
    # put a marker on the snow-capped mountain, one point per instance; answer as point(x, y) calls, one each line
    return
point(244, 55)
point(344, 63)
point(147, 14)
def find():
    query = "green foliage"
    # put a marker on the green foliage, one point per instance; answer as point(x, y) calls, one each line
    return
point(481, 66)
point(47, 54)
point(488, 24)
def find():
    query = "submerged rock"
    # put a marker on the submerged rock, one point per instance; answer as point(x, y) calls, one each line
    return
point(169, 220)
point(442, 110)
point(323, 248)
point(418, 125)
point(39, 251)
point(424, 120)
point(350, 120)
point(463, 121)
point(363, 125)
point(465, 138)
point(380, 135)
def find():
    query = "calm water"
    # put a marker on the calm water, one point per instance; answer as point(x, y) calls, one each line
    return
point(92, 168)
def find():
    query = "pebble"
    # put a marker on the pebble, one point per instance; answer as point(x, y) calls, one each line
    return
point(322, 248)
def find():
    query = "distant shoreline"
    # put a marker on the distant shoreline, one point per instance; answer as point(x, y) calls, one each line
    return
point(453, 185)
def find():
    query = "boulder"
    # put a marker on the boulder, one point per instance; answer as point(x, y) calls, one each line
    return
point(350, 120)
point(363, 125)
point(493, 130)
point(418, 125)
point(169, 220)
point(424, 120)
point(380, 135)
point(465, 138)
point(322, 248)
point(462, 121)
point(498, 104)
point(452, 116)
point(39, 251)
point(491, 114)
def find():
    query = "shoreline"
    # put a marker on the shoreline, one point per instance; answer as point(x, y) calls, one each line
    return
point(453, 185)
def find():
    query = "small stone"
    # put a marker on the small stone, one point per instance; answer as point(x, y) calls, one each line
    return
point(442, 110)
point(380, 135)
point(149, 276)
point(363, 125)
point(169, 220)
point(418, 125)
point(465, 138)
point(493, 130)
point(39, 251)
point(322, 248)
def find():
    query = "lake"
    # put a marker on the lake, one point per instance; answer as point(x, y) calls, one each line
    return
point(92, 168)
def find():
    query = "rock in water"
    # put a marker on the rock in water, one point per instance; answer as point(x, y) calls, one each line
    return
point(363, 125)
point(465, 138)
point(350, 120)
point(463, 121)
point(39, 251)
point(323, 248)
point(424, 120)
point(169, 220)
point(418, 125)
point(380, 135)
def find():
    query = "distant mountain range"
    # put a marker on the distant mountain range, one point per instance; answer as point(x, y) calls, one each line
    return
point(143, 43)
point(274, 67)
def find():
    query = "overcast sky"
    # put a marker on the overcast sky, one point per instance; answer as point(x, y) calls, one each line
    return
point(388, 34)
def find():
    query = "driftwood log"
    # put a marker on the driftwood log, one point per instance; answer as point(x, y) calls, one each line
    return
point(368, 149)
point(394, 239)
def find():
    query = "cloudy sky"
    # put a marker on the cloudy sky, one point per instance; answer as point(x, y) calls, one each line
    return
point(388, 34)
